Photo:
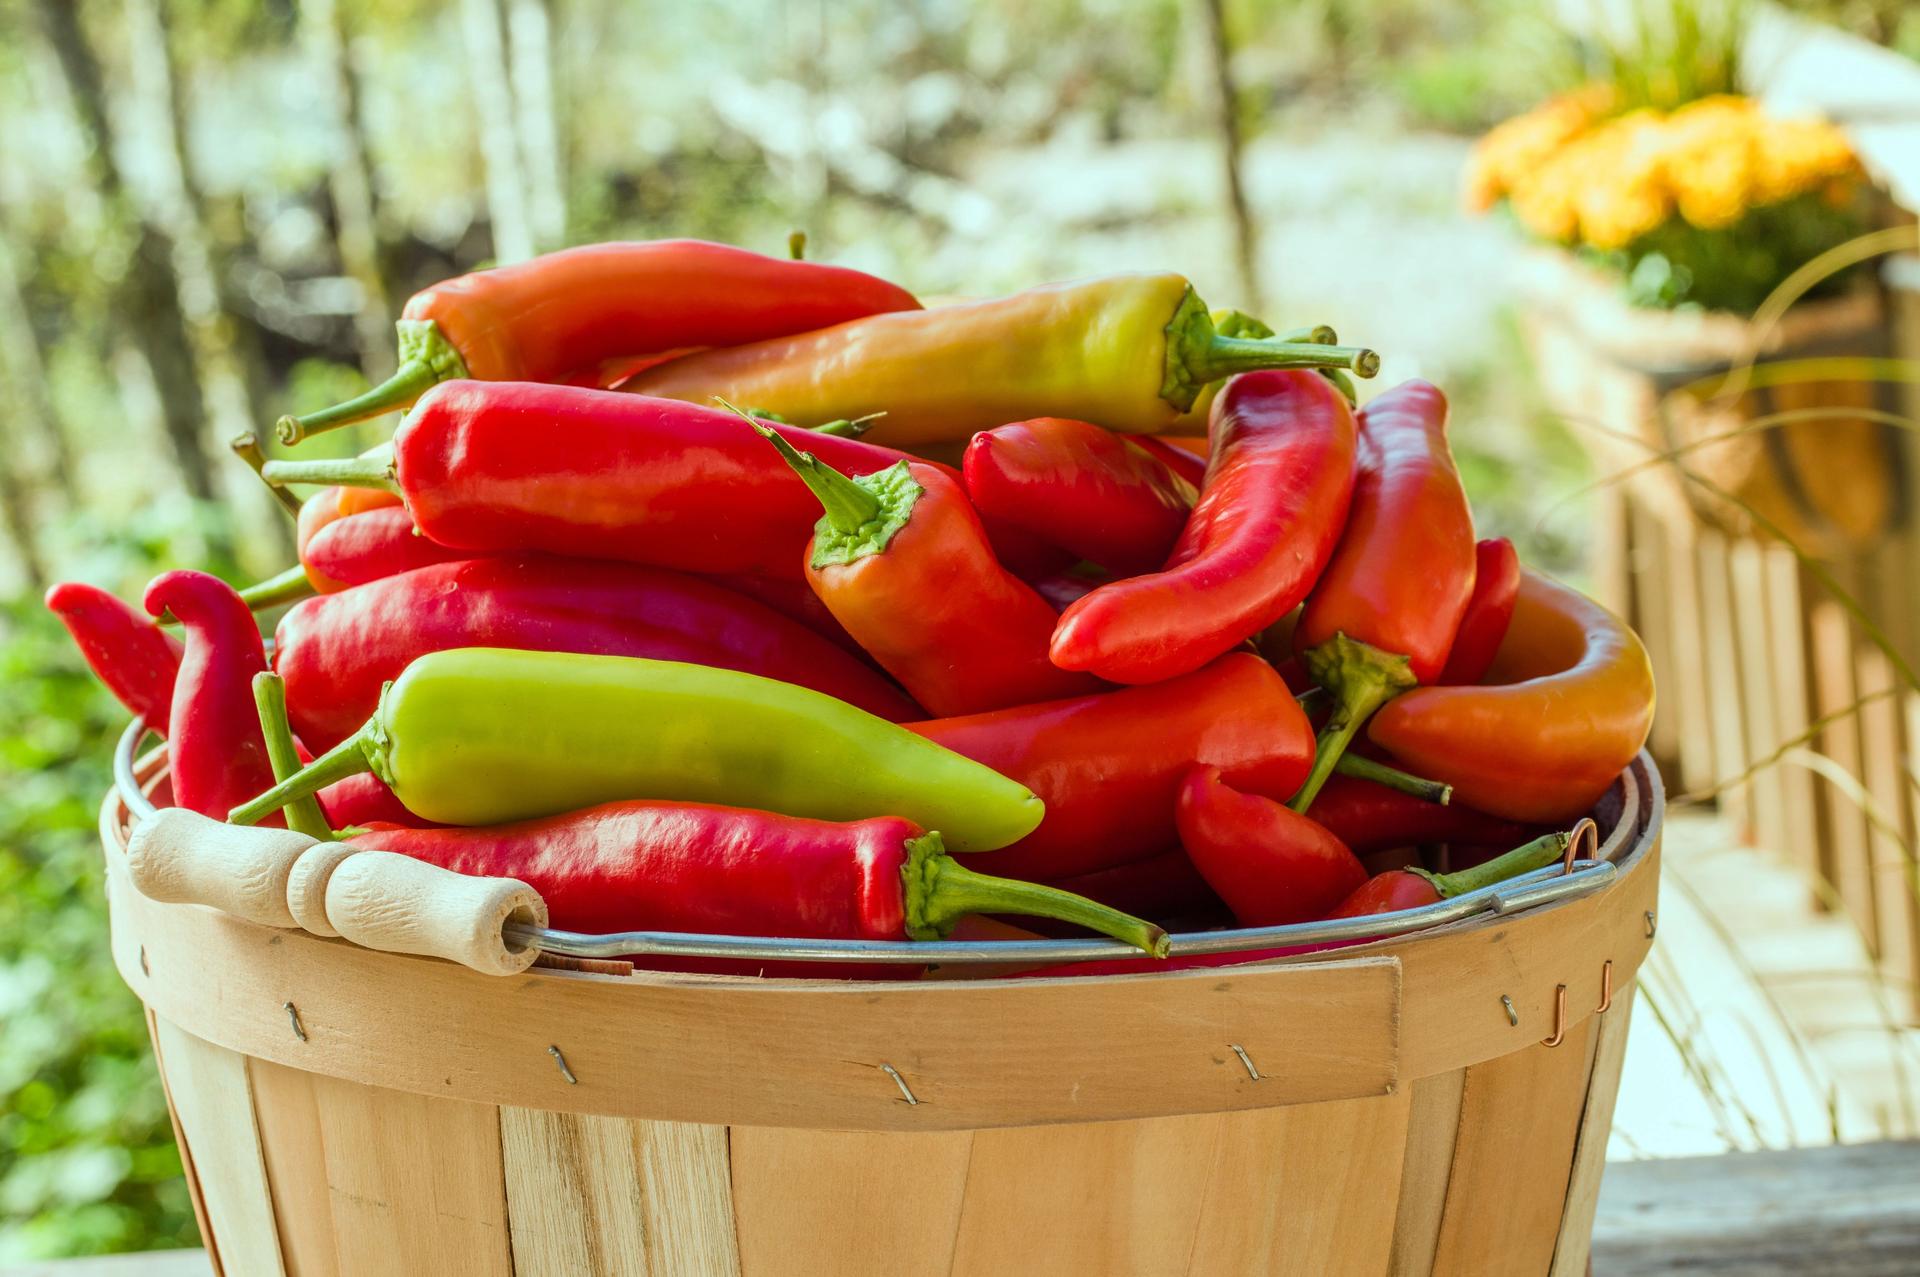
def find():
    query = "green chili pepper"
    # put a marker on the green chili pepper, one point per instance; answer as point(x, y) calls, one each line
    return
point(481, 736)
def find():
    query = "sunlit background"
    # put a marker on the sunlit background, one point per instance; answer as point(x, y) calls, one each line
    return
point(212, 210)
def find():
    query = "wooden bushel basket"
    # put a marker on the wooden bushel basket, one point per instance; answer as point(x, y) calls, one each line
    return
point(1384, 1109)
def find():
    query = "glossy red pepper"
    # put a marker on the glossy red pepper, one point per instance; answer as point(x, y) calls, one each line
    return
point(495, 466)
point(1187, 463)
point(1109, 766)
point(577, 309)
point(1159, 887)
point(1270, 864)
point(125, 649)
point(1496, 584)
point(901, 560)
point(1370, 817)
point(795, 600)
point(1384, 613)
point(336, 651)
point(364, 800)
point(1414, 888)
point(1275, 498)
point(661, 866)
point(216, 754)
point(368, 546)
point(1082, 488)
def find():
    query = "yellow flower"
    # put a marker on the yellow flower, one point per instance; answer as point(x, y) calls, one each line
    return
point(1514, 149)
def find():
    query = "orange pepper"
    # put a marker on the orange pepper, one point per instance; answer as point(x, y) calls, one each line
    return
point(1564, 709)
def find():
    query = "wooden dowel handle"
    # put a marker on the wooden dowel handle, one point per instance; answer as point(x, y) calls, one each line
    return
point(181, 857)
point(387, 901)
point(307, 885)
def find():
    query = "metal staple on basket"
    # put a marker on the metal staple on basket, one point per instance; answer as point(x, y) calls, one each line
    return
point(1564, 880)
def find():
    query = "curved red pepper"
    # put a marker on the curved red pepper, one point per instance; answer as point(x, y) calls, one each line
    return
point(1271, 865)
point(370, 545)
point(1189, 464)
point(337, 650)
point(495, 466)
point(1275, 498)
point(1496, 584)
point(126, 650)
point(1079, 487)
point(660, 866)
point(1370, 817)
point(901, 560)
point(1109, 766)
point(1385, 611)
point(216, 754)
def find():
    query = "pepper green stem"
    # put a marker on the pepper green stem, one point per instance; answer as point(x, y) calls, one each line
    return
point(1362, 678)
point(1201, 350)
point(350, 757)
point(846, 429)
point(371, 469)
point(284, 587)
point(1360, 767)
point(797, 245)
point(270, 698)
point(246, 446)
point(1525, 858)
point(427, 358)
point(849, 506)
point(939, 891)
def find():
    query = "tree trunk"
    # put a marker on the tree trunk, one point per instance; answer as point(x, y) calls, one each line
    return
point(149, 295)
point(15, 507)
point(499, 148)
point(24, 374)
point(530, 39)
point(350, 183)
point(1227, 126)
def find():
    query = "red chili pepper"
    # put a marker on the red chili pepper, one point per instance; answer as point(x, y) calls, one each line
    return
point(1079, 487)
point(1109, 766)
point(796, 601)
point(660, 866)
point(1271, 865)
point(495, 466)
point(901, 560)
point(1569, 702)
point(1370, 817)
point(128, 651)
point(1159, 887)
point(216, 755)
point(363, 800)
point(563, 312)
point(336, 651)
point(1413, 888)
point(1496, 584)
point(1276, 495)
point(368, 546)
point(1386, 609)
point(1187, 463)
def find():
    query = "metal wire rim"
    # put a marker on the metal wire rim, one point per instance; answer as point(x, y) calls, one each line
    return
point(1528, 891)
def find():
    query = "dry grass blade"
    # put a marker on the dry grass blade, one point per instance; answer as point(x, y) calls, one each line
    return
point(1786, 748)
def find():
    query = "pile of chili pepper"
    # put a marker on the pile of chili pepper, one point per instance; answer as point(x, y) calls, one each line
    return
point(706, 591)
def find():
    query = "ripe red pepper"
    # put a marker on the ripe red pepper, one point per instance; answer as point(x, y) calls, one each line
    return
point(336, 651)
point(795, 600)
point(370, 545)
point(1566, 706)
point(1385, 611)
point(126, 650)
point(661, 866)
point(1079, 487)
point(579, 308)
point(364, 800)
point(1413, 888)
point(901, 560)
point(1370, 817)
point(1275, 498)
point(1182, 461)
point(1109, 766)
point(1271, 865)
point(494, 466)
point(216, 754)
point(1496, 584)
point(1159, 887)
